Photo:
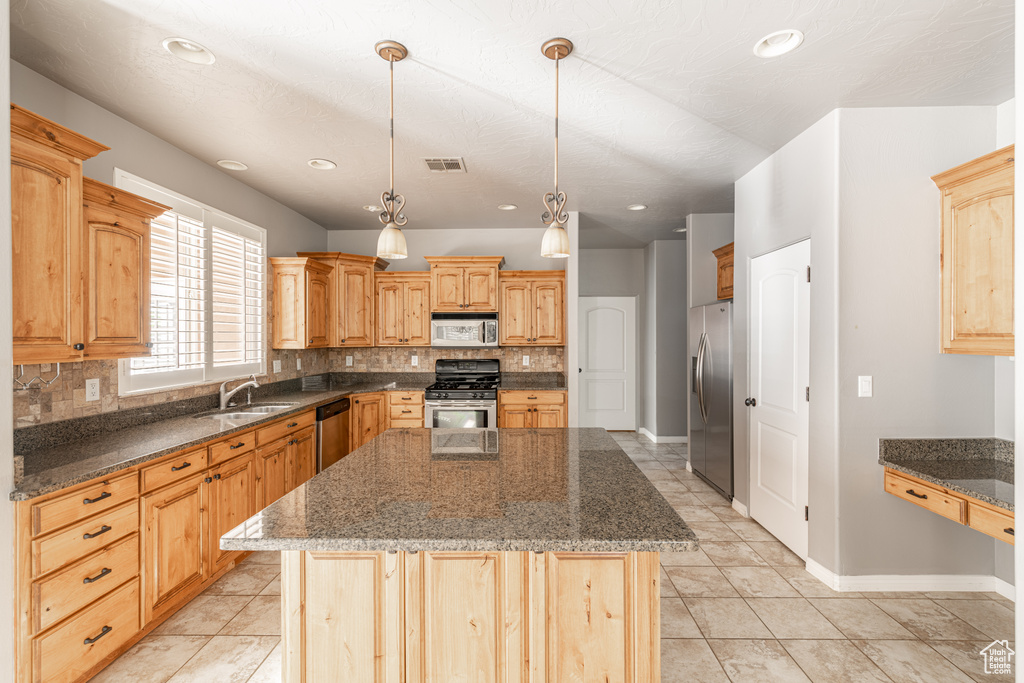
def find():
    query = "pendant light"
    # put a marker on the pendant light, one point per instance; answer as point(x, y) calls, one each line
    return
point(555, 243)
point(391, 243)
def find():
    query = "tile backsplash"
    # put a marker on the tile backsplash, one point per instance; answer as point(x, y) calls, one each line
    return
point(399, 359)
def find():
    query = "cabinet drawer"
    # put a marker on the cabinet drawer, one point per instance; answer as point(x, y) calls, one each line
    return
point(407, 412)
point(173, 469)
point(71, 544)
point(69, 590)
point(995, 523)
point(532, 397)
point(397, 398)
point(407, 424)
point(927, 496)
point(86, 639)
point(282, 428)
point(84, 502)
point(238, 444)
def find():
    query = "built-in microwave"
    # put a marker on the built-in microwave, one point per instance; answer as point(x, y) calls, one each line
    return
point(463, 330)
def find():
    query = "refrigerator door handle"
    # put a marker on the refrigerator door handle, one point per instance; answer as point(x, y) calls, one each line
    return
point(700, 378)
point(708, 380)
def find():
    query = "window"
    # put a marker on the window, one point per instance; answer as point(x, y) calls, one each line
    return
point(208, 283)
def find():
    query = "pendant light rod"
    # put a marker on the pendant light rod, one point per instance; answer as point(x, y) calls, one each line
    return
point(391, 116)
point(391, 243)
point(554, 202)
point(557, 60)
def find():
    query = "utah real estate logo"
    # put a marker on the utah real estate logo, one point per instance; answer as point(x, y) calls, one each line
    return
point(998, 658)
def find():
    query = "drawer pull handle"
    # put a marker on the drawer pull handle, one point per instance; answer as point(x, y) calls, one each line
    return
point(293, 424)
point(103, 529)
point(237, 445)
point(89, 501)
point(1008, 531)
point(406, 398)
point(531, 398)
point(90, 579)
point(406, 411)
point(917, 495)
point(105, 631)
point(183, 466)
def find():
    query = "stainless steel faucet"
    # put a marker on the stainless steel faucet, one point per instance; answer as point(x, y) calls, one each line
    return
point(225, 396)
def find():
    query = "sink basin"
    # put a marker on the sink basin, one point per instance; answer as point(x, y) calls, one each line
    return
point(241, 412)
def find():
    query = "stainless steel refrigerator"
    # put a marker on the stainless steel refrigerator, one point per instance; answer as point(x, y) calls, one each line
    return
point(710, 441)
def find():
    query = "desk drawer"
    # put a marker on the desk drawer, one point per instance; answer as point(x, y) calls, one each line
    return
point(84, 502)
point(173, 469)
point(67, 546)
point(282, 428)
point(237, 444)
point(397, 398)
point(927, 496)
point(547, 398)
point(995, 523)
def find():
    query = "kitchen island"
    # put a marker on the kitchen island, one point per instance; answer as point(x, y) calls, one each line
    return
point(472, 555)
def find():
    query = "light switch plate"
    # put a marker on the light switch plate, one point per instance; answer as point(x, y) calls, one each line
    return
point(348, 361)
point(415, 361)
point(298, 363)
point(92, 390)
point(526, 360)
point(864, 386)
point(277, 366)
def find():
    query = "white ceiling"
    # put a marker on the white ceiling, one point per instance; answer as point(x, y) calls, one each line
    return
point(663, 101)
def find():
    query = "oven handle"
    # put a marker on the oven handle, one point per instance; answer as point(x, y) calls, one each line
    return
point(460, 404)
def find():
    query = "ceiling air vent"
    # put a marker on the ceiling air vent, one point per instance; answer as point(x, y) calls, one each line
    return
point(445, 165)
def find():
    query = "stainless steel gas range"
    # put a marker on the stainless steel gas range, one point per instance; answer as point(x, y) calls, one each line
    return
point(464, 395)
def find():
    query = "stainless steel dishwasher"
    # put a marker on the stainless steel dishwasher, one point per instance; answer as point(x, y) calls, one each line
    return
point(331, 433)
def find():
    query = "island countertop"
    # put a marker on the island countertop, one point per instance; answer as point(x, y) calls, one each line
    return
point(472, 490)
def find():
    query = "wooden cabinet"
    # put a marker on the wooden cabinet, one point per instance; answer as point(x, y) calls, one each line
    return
point(532, 409)
point(403, 309)
point(300, 458)
point(464, 283)
point(232, 500)
point(300, 303)
point(367, 419)
point(350, 312)
point(272, 468)
point(405, 409)
point(725, 270)
point(532, 308)
point(977, 255)
point(288, 462)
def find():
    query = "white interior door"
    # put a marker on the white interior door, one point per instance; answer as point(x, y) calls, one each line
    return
point(607, 362)
point(779, 378)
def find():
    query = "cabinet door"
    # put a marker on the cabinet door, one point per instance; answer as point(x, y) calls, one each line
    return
point(317, 295)
point(117, 285)
point(417, 313)
point(232, 496)
point(357, 306)
point(481, 289)
point(174, 543)
point(367, 418)
point(515, 417)
point(549, 417)
point(288, 323)
point(516, 316)
point(46, 227)
point(271, 467)
point(390, 313)
point(447, 284)
point(549, 313)
point(301, 458)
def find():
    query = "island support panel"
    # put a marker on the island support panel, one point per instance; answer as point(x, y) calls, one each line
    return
point(507, 617)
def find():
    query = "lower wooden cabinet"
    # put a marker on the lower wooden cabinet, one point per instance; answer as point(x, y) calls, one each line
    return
point(532, 409)
point(368, 418)
point(405, 409)
point(232, 500)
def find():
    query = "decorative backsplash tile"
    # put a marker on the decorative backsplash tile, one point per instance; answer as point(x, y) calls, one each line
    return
point(399, 359)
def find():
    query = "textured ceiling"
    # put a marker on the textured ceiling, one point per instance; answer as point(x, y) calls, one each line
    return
point(663, 101)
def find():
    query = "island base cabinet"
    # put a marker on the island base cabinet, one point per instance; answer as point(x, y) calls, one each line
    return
point(506, 617)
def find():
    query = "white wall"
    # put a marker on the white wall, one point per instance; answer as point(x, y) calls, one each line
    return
point(1003, 369)
point(705, 232)
point(520, 246)
point(147, 156)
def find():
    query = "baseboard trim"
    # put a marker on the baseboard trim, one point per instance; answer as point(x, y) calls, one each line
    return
point(739, 507)
point(662, 439)
point(939, 583)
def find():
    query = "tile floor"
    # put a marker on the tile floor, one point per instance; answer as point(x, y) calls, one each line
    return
point(741, 609)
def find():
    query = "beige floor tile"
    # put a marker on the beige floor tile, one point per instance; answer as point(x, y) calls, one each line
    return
point(727, 513)
point(226, 659)
point(686, 558)
point(732, 554)
point(759, 582)
point(827, 661)
point(273, 588)
point(700, 582)
point(261, 617)
point(698, 485)
point(910, 661)
point(153, 659)
point(928, 621)
point(667, 590)
point(710, 497)
point(793, 618)
point(893, 595)
point(676, 621)
point(750, 530)
point(713, 531)
point(651, 465)
point(244, 580)
point(205, 615)
point(726, 618)
point(696, 513)
point(264, 557)
point(690, 661)
point(270, 669)
point(808, 585)
point(662, 476)
point(667, 487)
point(678, 500)
point(860, 618)
point(966, 655)
point(776, 554)
point(988, 616)
point(961, 595)
point(756, 661)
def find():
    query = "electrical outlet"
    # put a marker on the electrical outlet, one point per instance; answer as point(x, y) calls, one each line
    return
point(92, 390)
point(298, 363)
point(415, 361)
point(864, 386)
point(348, 361)
point(277, 366)
point(526, 360)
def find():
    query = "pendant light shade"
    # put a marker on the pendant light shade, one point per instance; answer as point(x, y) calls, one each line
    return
point(555, 243)
point(391, 243)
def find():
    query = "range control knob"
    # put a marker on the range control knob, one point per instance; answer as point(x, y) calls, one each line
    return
point(444, 395)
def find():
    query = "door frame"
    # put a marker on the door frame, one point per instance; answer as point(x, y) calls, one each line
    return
point(637, 394)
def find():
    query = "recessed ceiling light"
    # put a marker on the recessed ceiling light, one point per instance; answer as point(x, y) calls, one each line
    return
point(322, 164)
point(636, 207)
point(188, 50)
point(507, 207)
point(678, 229)
point(371, 207)
point(232, 165)
point(778, 43)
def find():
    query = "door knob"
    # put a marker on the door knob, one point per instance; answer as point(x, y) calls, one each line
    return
point(752, 402)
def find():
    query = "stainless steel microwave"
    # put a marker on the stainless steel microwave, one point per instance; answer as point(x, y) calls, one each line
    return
point(463, 330)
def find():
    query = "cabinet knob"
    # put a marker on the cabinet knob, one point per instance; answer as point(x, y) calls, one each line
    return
point(216, 476)
point(310, 341)
point(357, 400)
point(342, 341)
point(208, 480)
point(79, 347)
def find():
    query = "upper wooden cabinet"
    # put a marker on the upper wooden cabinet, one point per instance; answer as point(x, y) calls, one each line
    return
point(464, 283)
point(301, 296)
point(977, 255)
point(725, 270)
point(403, 309)
point(532, 308)
point(350, 312)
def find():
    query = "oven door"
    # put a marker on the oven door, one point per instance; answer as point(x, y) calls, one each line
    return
point(461, 414)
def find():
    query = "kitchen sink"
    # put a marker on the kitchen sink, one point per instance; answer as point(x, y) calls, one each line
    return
point(242, 412)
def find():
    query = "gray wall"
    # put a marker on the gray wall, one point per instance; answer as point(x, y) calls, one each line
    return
point(134, 150)
point(520, 247)
point(705, 232)
point(664, 339)
point(1003, 367)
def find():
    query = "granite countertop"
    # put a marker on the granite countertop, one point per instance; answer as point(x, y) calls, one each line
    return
point(979, 468)
point(472, 490)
